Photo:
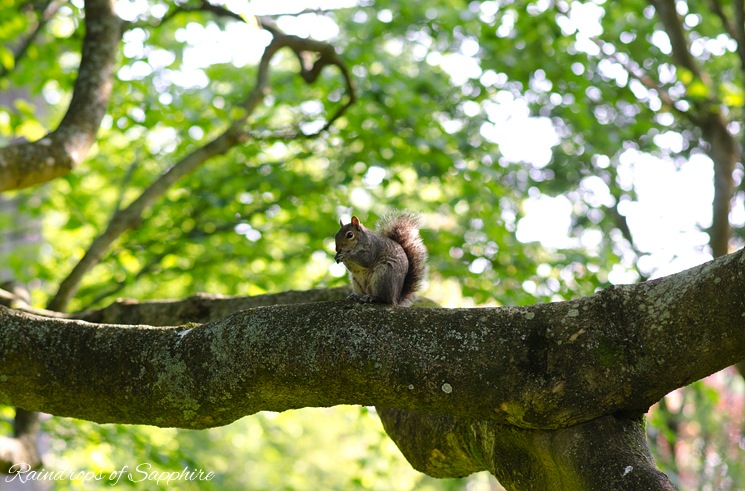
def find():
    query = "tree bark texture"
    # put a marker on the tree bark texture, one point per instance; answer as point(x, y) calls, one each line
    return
point(608, 453)
point(55, 155)
point(544, 367)
point(547, 396)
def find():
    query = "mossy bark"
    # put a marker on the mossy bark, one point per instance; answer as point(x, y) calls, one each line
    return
point(608, 453)
point(519, 384)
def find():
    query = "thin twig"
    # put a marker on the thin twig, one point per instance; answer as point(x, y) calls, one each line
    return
point(175, 10)
point(125, 182)
point(638, 73)
point(739, 30)
point(668, 15)
point(716, 7)
point(47, 11)
point(169, 248)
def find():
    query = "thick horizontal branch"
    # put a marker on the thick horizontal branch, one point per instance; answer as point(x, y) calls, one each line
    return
point(199, 308)
point(545, 366)
point(27, 164)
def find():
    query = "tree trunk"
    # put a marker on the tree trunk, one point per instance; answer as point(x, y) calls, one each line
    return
point(608, 453)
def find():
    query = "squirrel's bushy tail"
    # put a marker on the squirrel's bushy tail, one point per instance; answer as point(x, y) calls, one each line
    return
point(403, 227)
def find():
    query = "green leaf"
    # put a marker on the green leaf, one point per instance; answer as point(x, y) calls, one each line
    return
point(7, 59)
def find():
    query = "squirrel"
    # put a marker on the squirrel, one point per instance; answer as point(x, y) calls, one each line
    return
point(387, 266)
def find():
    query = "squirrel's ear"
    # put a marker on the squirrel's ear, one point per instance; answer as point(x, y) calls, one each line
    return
point(340, 223)
point(356, 222)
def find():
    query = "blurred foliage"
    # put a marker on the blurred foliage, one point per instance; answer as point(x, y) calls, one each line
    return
point(697, 433)
point(439, 85)
point(342, 448)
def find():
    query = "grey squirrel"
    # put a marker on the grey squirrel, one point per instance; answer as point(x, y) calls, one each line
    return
point(387, 266)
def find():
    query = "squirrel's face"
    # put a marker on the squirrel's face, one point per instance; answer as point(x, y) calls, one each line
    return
point(347, 238)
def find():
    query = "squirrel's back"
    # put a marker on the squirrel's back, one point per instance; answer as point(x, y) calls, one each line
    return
point(403, 227)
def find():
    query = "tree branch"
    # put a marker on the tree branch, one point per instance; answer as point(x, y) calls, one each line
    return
point(671, 21)
point(606, 453)
point(738, 33)
point(543, 367)
point(716, 7)
point(201, 308)
point(27, 164)
point(174, 10)
point(707, 115)
point(725, 153)
point(310, 71)
point(130, 217)
point(636, 71)
point(47, 11)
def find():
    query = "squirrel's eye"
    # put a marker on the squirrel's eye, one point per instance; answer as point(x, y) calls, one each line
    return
point(350, 235)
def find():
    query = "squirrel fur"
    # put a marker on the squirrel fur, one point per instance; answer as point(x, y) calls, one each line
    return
point(386, 266)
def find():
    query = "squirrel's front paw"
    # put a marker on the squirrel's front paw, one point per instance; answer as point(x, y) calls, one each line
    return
point(362, 298)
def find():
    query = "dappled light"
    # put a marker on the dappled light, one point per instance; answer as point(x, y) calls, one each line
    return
point(187, 164)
